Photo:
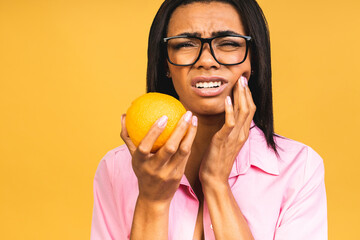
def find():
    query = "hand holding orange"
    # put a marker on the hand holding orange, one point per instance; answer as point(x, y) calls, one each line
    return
point(145, 110)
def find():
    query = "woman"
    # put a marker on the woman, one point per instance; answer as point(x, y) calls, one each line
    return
point(223, 174)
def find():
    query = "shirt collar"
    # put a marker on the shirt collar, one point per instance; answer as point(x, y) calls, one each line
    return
point(255, 152)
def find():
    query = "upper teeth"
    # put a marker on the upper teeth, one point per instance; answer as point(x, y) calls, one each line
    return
point(207, 84)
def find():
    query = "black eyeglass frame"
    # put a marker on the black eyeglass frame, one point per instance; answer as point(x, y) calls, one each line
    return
point(208, 41)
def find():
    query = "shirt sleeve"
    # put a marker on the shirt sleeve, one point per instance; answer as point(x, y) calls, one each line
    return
point(306, 216)
point(106, 222)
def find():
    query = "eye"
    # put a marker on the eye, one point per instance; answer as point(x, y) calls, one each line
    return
point(229, 43)
point(183, 43)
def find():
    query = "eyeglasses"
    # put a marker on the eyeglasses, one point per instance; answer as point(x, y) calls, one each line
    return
point(226, 49)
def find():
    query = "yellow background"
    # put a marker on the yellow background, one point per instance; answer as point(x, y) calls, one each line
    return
point(69, 69)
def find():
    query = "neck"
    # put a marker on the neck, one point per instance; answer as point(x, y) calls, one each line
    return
point(208, 125)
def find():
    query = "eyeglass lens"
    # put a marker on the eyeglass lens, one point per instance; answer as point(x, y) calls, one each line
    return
point(227, 50)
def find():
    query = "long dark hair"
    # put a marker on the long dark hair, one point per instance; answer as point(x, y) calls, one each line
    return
point(255, 26)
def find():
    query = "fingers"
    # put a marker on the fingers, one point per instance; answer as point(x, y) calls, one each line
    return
point(243, 111)
point(236, 98)
point(244, 108)
point(226, 129)
point(125, 136)
point(237, 116)
point(172, 144)
point(184, 150)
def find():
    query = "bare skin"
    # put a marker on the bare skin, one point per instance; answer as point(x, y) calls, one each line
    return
point(211, 135)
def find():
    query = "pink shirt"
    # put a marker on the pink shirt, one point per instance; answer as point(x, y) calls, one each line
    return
point(281, 198)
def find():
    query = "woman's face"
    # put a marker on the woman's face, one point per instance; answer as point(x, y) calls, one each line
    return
point(206, 20)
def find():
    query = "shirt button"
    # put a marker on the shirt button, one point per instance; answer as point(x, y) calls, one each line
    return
point(211, 226)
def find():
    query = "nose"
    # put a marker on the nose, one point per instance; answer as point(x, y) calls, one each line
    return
point(206, 59)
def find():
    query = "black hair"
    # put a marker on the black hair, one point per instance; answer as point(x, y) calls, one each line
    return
point(255, 25)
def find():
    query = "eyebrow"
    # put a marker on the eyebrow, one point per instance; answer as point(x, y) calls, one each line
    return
point(213, 34)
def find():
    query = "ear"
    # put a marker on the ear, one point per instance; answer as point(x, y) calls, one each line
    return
point(167, 70)
point(168, 74)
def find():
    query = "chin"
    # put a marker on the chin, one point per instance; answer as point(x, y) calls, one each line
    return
point(209, 110)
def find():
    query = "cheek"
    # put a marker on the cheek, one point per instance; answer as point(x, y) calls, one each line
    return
point(179, 85)
point(243, 69)
point(247, 65)
point(179, 78)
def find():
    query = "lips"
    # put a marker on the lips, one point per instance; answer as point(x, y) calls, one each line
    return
point(208, 86)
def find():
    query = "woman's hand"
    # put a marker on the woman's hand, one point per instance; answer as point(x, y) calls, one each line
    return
point(227, 142)
point(226, 217)
point(159, 173)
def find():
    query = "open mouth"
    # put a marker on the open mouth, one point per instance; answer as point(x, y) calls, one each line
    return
point(208, 84)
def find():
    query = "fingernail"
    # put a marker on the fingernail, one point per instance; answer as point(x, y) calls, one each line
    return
point(244, 81)
point(162, 121)
point(187, 116)
point(194, 121)
point(228, 100)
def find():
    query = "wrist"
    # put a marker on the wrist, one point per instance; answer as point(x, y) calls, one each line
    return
point(156, 207)
point(214, 185)
point(209, 180)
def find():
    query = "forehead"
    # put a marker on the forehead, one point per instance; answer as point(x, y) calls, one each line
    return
point(205, 18)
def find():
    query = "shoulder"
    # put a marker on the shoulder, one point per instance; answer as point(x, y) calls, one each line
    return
point(293, 158)
point(296, 155)
point(289, 148)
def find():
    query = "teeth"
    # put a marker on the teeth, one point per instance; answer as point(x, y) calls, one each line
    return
point(208, 84)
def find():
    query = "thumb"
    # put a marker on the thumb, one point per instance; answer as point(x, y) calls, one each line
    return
point(125, 136)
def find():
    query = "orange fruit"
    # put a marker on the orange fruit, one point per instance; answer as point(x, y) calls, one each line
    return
point(145, 110)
